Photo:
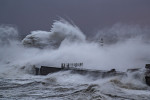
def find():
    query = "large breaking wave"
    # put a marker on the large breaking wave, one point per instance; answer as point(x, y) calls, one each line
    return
point(124, 48)
point(66, 43)
point(61, 32)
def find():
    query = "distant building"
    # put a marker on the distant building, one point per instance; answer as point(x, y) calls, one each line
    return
point(101, 42)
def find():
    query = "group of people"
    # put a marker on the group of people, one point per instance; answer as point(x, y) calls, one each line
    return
point(71, 65)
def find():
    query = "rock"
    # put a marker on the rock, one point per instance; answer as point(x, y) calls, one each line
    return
point(133, 70)
point(147, 80)
point(147, 66)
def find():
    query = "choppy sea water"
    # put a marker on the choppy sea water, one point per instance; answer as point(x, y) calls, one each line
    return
point(67, 86)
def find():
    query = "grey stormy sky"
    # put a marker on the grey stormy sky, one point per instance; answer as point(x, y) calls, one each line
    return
point(88, 15)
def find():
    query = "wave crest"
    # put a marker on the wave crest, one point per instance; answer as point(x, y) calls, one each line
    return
point(61, 31)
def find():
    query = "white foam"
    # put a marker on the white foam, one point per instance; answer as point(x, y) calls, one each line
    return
point(65, 43)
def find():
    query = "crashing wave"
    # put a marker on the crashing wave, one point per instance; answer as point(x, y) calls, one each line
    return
point(61, 31)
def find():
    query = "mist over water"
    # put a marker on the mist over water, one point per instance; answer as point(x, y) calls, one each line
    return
point(122, 32)
point(125, 47)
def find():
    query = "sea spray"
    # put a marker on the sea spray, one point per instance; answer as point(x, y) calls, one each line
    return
point(66, 43)
point(122, 32)
point(61, 32)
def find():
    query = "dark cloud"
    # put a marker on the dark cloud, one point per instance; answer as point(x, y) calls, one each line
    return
point(89, 15)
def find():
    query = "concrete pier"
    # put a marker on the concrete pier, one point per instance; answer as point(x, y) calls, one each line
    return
point(45, 70)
